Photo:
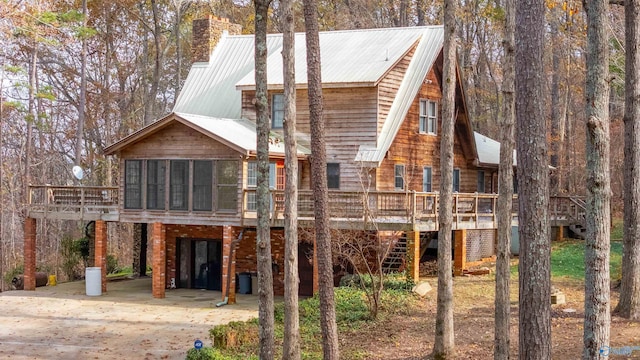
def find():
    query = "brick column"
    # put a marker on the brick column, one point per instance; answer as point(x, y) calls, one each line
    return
point(100, 255)
point(29, 254)
point(158, 236)
point(413, 254)
point(228, 236)
point(460, 251)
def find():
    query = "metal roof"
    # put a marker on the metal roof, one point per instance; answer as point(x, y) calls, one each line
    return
point(489, 150)
point(210, 87)
point(348, 57)
point(421, 62)
point(239, 134)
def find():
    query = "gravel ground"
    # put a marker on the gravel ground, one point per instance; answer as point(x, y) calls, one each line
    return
point(61, 322)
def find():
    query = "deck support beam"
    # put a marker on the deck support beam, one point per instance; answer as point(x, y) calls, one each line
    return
point(413, 254)
point(159, 236)
point(100, 248)
point(29, 254)
point(460, 251)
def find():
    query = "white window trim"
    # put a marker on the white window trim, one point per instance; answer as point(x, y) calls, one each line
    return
point(427, 117)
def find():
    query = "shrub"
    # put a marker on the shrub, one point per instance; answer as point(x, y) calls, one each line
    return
point(390, 281)
point(209, 353)
point(234, 334)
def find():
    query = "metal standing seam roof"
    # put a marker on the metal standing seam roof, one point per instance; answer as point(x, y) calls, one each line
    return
point(210, 87)
point(239, 132)
point(423, 59)
point(348, 57)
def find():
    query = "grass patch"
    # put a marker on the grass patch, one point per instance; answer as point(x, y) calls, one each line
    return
point(351, 314)
point(567, 259)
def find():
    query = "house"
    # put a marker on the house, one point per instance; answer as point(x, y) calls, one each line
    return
point(191, 175)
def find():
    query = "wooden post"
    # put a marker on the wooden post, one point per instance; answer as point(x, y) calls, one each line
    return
point(100, 251)
point(460, 251)
point(158, 234)
point(29, 254)
point(413, 254)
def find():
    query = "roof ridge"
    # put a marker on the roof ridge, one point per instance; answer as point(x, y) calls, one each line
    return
point(423, 27)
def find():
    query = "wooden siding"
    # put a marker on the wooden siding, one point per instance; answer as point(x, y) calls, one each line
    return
point(178, 141)
point(351, 118)
point(389, 85)
point(415, 150)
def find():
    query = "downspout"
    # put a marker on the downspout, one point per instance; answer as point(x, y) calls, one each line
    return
point(232, 250)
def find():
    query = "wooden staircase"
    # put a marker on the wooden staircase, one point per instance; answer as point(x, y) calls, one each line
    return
point(395, 261)
point(397, 256)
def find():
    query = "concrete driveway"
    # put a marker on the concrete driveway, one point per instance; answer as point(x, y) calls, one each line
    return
point(61, 322)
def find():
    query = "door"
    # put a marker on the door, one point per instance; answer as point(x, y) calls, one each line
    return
point(207, 264)
point(199, 264)
point(305, 269)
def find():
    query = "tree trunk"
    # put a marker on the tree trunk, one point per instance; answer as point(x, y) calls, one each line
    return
point(533, 184)
point(505, 189)
point(319, 185)
point(83, 91)
point(291, 346)
point(444, 345)
point(263, 248)
point(137, 250)
point(31, 117)
point(597, 317)
point(629, 304)
point(150, 104)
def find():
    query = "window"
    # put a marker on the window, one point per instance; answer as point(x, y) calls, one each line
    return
point(481, 183)
point(399, 177)
point(202, 185)
point(428, 117)
point(427, 174)
point(227, 189)
point(277, 111)
point(156, 173)
point(133, 184)
point(333, 175)
point(179, 185)
point(456, 180)
point(252, 175)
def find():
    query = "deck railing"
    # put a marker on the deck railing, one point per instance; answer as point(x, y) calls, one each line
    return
point(386, 206)
point(469, 210)
point(73, 201)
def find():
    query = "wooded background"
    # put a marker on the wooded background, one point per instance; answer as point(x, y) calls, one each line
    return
point(138, 55)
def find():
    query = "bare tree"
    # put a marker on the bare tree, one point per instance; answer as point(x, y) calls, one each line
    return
point(533, 184)
point(505, 188)
point(319, 184)
point(263, 248)
point(597, 316)
point(83, 90)
point(629, 304)
point(291, 346)
point(444, 345)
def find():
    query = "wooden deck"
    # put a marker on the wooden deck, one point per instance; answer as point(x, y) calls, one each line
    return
point(381, 210)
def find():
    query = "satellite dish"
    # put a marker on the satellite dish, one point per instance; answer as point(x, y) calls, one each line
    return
point(78, 172)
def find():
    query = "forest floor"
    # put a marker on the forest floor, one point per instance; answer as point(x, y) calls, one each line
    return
point(411, 336)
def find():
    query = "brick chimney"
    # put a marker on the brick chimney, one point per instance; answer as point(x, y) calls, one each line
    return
point(206, 34)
